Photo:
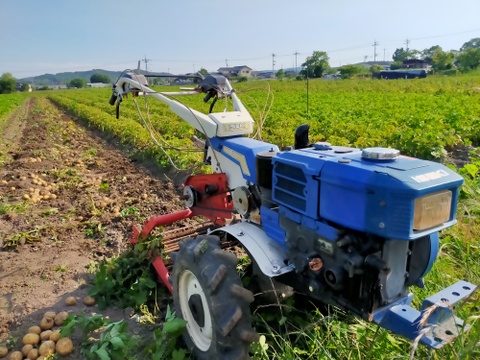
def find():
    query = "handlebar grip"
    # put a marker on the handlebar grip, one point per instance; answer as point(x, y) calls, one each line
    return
point(112, 100)
point(210, 94)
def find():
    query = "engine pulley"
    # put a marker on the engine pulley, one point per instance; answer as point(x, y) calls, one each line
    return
point(242, 200)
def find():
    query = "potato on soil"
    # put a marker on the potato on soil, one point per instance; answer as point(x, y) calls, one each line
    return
point(55, 335)
point(47, 348)
point(64, 346)
point(31, 339)
point(3, 351)
point(45, 335)
point(50, 314)
point(26, 349)
point(70, 301)
point(46, 323)
point(16, 355)
point(60, 318)
point(34, 330)
point(32, 354)
point(89, 301)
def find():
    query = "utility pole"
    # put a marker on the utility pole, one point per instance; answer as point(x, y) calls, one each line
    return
point(296, 71)
point(146, 61)
point(226, 62)
point(407, 42)
point(375, 43)
point(384, 54)
point(273, 65)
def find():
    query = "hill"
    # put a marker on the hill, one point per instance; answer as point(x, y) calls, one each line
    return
point(66, 77)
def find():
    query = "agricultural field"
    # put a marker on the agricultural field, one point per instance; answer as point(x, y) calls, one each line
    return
point(74, 178)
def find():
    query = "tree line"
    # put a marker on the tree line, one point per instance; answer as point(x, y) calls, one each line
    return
point(465, 59)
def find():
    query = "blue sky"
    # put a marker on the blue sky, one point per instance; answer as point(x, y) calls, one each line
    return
point(48, 36)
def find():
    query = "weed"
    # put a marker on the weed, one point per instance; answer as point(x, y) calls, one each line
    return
point(92, 267)
point(104, 187)
point(131, 210)
point(165, 340)
point(7, 208)
point(90, 153)
point(125, 280)
point(50, 211)
point(61, 268)
point(94, 230)
point(22, 238)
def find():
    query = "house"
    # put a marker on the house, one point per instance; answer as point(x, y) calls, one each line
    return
point(98, 85)
point(230, 72)
point(264, 74)
point(416, 64)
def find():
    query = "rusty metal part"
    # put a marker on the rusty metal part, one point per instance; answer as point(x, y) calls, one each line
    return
point(315, 264)
point(171, 238)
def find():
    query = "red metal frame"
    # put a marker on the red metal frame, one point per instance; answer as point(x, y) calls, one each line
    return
point(149, 225)
point(214, 205)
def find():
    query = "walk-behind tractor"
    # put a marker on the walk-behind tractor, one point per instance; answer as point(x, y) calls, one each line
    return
point(353, 228)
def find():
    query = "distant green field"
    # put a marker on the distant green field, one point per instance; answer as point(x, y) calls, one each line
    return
point(419, 117)
point(9, 102)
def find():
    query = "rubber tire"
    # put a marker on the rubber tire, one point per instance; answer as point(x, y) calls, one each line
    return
point(225, 299)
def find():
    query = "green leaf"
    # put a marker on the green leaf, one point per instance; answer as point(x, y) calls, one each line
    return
point(174, 327)
point(178, 354)
point(103, 354)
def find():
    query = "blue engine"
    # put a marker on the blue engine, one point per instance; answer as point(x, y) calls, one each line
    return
point(358, 227)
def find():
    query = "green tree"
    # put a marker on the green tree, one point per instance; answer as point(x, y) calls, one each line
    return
point(25, 87)
point(315, 65)
point(442, 60)
point(280, 75)
point(100, 78)
point(469, 59)
point(203, 71)
point(77, 83)
point(471, 44)
point(428, 53)
point(375, 68)
point(7, 83)
point(348, 71)
point(400, 55)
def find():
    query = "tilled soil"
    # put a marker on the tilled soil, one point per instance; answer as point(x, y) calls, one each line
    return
point(68, 198)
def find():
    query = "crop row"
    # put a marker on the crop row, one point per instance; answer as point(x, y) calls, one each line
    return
point(419, 117)
point(9, 102)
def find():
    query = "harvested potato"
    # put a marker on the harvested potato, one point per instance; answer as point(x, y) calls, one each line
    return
point(49, 314)
point(3, 351)
point(34, 330)
point(47, 348)
point(32, 339)
point(55, 335)
point(16, 355)
point(64, 346)
point(89, 301)
point(45, 335)
point(33, 354)
point(26, 349)
point(46, 323)
point(60, 318)
point(70, 301)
